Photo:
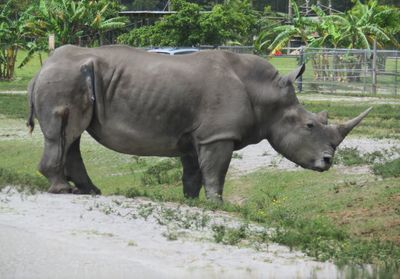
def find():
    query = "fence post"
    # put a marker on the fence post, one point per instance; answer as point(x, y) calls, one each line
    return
point(396, 73)
point(301, 61)
point(290, 20)
point(374, 70)
point(52, 43)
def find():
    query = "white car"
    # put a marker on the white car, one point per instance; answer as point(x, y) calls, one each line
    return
point(173, 51)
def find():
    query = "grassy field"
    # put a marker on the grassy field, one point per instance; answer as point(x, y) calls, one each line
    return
point(339, 215)
point(344, 216)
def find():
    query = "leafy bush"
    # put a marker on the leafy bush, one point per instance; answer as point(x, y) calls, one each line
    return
point(231, 22)
point(167, 171)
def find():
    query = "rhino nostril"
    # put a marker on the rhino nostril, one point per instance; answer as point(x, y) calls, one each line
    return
point(327, 159)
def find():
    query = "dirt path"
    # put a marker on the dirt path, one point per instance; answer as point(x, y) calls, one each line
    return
point(65, 236)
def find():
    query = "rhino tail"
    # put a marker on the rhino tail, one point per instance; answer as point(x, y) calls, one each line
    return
point(31, 117)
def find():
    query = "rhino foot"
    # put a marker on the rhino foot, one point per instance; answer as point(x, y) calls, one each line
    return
point(61, 188)
point(87, 190)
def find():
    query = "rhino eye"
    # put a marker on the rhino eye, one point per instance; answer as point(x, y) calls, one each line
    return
point(310, 125)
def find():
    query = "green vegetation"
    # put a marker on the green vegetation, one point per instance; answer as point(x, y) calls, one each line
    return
point(382, 122)
point(336, 215)
point(231, 22)
point(68, 20)
point(23, 75)
point(357, 28)
point(342, 219)
point(388, 169)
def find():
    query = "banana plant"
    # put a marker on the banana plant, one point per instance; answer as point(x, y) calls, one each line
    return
point(12, 38)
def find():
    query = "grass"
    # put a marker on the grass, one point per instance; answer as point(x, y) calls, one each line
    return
point(344, 219)
point(14, 106)
point(23, 75)
point(349, 218)
point(388, 169)
point(382, 121)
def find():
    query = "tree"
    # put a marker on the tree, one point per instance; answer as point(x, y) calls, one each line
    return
point(231, 22)
point(69, 20)
point(12, 38)
point(368, 22)
point(276, 38)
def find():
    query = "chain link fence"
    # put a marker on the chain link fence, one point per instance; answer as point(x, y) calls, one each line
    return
point(347, 71)
point(350, 71)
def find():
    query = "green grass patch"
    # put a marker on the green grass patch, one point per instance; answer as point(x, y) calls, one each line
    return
point(329, 215)
point(24, 181)
point(381, 122)
point(388, 169)
point(14, 105)
point(351, 156)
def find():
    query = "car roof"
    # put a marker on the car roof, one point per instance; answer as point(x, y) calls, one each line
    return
point(173, 51)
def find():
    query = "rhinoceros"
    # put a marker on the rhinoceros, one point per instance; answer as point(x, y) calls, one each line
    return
point(199, 107)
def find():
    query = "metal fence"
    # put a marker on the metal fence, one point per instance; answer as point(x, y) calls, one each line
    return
point(235, 49)
point(351, 71)
point(348, 71)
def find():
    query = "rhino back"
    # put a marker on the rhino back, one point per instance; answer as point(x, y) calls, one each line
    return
point(146, 103)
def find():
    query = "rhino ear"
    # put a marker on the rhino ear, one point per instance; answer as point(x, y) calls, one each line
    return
point(323, 117)
point(296, 73)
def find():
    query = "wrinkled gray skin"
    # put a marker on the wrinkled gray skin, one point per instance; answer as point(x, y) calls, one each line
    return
point(200, 107)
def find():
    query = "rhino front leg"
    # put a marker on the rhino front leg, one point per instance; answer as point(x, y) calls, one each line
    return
point(214, 159)
point(75, 170)
point(191, 178)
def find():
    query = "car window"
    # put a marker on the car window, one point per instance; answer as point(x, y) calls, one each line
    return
point(184, 52)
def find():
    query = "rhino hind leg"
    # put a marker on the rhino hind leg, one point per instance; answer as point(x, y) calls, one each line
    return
point(62, 125)
point(191, 178)
point(51, 166)
point(75, 170)
point(214, 159)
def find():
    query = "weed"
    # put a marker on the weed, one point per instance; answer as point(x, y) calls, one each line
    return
point(26, 181)
point(132, 192)
point(230, 236)
point(349, 156)
point(132, 243)
point(388, 169)
point(170, 235)
point(234, 235)
point(145, 210)
point(167, 171)
point(219, 232)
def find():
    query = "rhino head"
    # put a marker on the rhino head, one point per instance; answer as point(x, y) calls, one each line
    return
point(304, 137)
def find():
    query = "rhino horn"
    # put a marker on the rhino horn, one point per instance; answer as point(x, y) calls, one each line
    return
point(345, 128)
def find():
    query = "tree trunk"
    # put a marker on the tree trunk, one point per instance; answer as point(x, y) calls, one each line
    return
point(11, 57)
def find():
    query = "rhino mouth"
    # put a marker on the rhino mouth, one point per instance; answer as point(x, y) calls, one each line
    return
point(319, 169)
point(323, 164)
